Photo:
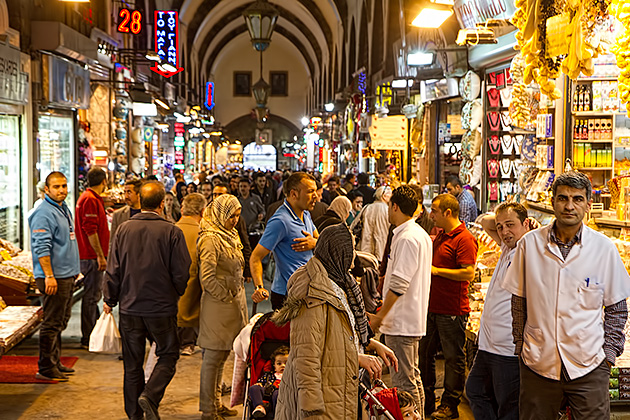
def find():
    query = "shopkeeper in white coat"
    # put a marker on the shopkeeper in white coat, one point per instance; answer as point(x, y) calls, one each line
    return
point(561, 277)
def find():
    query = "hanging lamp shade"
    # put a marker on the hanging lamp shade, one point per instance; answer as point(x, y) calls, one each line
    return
point(261, 114)
point(261, 20)
point(261, 91)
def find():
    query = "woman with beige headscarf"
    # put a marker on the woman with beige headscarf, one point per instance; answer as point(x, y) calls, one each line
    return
point(223, 306)
point(337, 212)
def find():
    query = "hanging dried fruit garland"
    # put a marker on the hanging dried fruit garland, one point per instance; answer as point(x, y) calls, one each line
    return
point(558, 35)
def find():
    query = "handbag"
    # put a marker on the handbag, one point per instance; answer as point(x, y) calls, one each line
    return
point(105, 337)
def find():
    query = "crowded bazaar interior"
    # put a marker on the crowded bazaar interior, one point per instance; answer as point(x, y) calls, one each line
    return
point(488, 100)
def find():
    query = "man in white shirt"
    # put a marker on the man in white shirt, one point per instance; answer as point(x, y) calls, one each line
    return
point(561, 277)
point(493, 382)
point(403, 317)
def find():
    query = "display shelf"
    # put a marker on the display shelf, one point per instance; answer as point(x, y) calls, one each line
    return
point(593, 141)
point(602, 168)
point(540, 206)
point(610, 222)
point(595, 113)
point(597, 79)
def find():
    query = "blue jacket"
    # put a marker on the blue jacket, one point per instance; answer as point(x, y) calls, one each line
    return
point(147, 268)
point(52, 234)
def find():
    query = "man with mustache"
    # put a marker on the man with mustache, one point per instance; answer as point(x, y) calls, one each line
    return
point(561, 277)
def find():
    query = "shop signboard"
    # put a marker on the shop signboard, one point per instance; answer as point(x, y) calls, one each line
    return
point(13, 83)
point(68, 83)
point(389, 133)
point(167, 42)
point(471, 12)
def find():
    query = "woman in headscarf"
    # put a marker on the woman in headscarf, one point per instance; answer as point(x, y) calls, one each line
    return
point(223, 307)
point(375, 218)
point(337, 212)
point(329, 333)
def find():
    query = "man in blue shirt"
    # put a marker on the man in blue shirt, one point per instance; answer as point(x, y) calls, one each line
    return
point(467, 206)
point(290, 234)
point(55, 267)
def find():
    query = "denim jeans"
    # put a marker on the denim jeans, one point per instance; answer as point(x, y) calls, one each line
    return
point(57, 310)
point(408, 376)
point(134, 331)
point(450, 332)
point(492, 387)
point(257, 397)
point(211, 380)
point(93, 287)
point(541, 397)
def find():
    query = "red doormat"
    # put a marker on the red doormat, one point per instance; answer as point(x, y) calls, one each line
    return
point(22, 369)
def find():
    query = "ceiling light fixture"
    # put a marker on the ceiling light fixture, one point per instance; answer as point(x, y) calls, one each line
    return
point(162, 103)
point(434, 13)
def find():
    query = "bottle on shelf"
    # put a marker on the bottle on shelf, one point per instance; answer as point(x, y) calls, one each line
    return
point(576, 98)
point(576, 130)
point(587, 98)
point(581, 99)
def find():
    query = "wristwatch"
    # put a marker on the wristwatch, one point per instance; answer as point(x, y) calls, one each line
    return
point(260, 286)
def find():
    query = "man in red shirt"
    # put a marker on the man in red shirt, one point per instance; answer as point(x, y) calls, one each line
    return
point(454, 258)
point(93, 240)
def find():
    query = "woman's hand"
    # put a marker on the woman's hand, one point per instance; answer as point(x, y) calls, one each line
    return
point(372, 365)
point(384, 353)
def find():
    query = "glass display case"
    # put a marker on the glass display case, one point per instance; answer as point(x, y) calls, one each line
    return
point(10, 180)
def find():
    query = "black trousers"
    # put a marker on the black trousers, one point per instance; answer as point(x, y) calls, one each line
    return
point(134, 331)
point(93, 287)
point(57, 310)
point(277, 300)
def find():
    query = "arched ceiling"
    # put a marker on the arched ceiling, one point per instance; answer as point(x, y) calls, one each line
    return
point(315, 27)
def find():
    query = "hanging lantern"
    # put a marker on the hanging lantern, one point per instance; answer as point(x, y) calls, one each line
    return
point(261, 114)
point(261, 91)
point(261, 20)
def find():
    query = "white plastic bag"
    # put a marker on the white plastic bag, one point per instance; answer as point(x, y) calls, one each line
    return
point(105, 337)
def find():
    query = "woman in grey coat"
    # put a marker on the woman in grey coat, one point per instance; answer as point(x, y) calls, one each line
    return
point(223, 306)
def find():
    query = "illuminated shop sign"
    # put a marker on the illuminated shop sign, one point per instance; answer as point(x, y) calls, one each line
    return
point(209, 96)
point(179, 144)
point(167, 42)
point(129, 21)
point(471, 12)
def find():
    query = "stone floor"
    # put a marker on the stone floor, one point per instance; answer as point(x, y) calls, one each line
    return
point(95, 390)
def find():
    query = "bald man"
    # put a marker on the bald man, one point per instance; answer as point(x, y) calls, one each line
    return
point(147, 272)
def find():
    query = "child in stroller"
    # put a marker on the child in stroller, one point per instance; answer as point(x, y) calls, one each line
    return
point(264, 393)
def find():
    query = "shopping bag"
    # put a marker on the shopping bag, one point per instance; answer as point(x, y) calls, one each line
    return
point(105, 337)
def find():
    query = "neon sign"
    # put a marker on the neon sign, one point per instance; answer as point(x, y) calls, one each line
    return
point(130, 21)
point(209, 103)
point(179, 144)
point(167, 42)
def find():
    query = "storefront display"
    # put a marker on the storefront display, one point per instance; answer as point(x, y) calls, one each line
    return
point(10, 181)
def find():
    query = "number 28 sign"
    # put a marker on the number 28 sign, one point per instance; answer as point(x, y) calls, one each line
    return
point(130, 21)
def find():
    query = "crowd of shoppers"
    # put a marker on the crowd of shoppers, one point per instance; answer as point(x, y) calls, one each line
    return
point(176, 262)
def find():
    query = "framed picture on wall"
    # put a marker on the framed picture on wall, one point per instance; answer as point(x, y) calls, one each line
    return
point(242, 83)
point(279, 83)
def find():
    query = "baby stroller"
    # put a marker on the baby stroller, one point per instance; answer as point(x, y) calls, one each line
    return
point(382, 402)
point(266, 337)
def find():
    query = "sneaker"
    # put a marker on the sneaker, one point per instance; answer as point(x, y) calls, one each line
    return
point(259, 412)
point(226, 389)
point(188, 350)
point(64, 369)
point(51, 375)
point(226, 412)
point(150, 410)
point(445, 412)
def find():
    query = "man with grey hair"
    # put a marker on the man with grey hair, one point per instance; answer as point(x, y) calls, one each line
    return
point(147, 272)
point(188, 306)
point(560, 278)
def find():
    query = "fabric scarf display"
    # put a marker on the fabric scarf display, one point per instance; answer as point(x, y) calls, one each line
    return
point(506, 188)
point(494, 145)
point(500, 76)
point(494, 98)
point(507, 144)
point(506, 121)
point(506, 97)
point(334, 250)
point(494, 121)
point(493, 168)
point(493, 191)
point(506, 168)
